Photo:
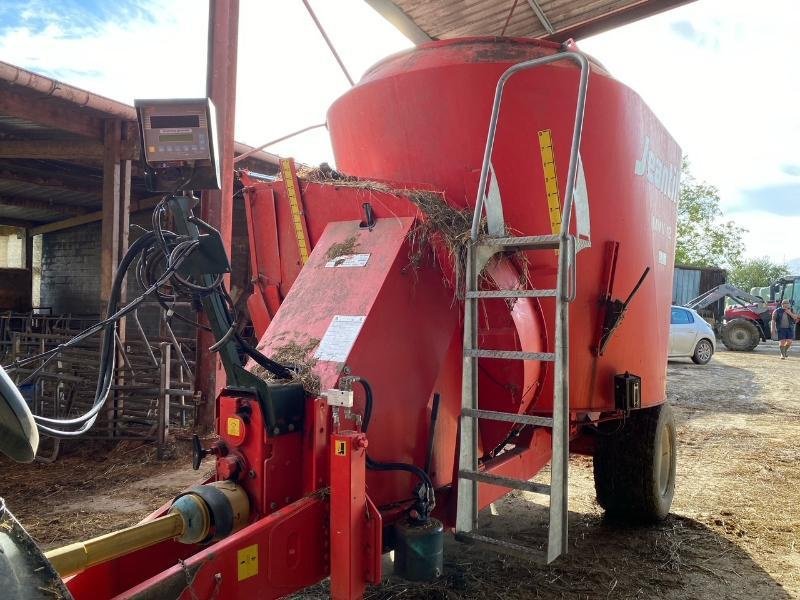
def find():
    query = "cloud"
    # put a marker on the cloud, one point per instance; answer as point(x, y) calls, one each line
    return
point(687, 31)
point(791, 170)
point(287, 77)
point(116, 49)
point(782, 200)
point(704, 76)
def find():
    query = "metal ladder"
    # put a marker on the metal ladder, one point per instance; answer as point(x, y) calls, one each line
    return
point(480, 252)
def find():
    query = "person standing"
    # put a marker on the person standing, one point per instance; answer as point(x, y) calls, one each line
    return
point(783, 319)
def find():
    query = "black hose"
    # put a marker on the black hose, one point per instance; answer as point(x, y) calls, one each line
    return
point(270, 365)
point(109, 325)
point(432, 432)
point(375, 465)
point(367, 402)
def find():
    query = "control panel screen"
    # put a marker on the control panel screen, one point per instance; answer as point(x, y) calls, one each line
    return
point(168, 121)
point(176, 137)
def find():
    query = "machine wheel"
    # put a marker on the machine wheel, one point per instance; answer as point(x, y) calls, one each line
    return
point(634, 469)
point(702, 352)
point(740, 335)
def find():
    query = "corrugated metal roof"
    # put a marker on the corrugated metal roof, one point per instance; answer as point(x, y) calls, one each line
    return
point(558, 20)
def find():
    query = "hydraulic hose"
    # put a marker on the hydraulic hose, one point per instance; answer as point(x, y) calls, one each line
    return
point(110, 324)
point(375, 465)
point(158, 255)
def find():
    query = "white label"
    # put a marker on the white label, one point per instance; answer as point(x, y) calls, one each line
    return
point(662, 257)
point(349, 260)
point(339, 338)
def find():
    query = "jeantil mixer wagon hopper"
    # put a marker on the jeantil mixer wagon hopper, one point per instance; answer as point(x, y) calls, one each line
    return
point(447, 359)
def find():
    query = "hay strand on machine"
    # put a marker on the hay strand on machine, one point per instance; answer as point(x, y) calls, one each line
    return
point(440, 220)
point(298, 356)
point(344, 248)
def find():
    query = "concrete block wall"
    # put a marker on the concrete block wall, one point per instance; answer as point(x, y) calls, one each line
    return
point(70, 281)
point(11, 250)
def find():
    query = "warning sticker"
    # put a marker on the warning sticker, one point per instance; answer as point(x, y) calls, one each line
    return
point(339, 338)
point(341, 448)
point(234, 427)
point(349, 260)
point(247, 562)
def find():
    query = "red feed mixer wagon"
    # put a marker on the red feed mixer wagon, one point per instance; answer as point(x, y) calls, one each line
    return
point(449, 359)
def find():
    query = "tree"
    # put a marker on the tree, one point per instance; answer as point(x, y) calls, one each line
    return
point(756, 272)
point(703, 239)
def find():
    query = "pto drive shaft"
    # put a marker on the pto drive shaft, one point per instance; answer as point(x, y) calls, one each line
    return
point(204, 513)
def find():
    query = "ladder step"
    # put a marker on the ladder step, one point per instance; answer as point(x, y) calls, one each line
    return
point(508, 417)
point(510, 355)
point(530, 242)
point(507, 482)
point(508, 548)
point(513, 294)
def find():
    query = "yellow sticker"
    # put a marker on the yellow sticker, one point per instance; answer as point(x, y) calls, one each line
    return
point(341, 448)
point(247, 560)
point(550, 180)
point(234, 427)
point(294, 207)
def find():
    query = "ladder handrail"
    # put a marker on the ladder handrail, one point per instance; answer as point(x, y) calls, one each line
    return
point(566, 286)
point(583, 63)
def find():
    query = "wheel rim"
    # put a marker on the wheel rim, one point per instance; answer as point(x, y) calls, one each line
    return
point(704, 351)
point(665, 469)
point(739, 335)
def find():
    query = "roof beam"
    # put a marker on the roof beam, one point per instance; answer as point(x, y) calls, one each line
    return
point(50, 113)
point(16, 222)
point(540, 14)
point(47, 182)
point(61, 150)
point(404, 24)
point(135, 206)
point(44, 205)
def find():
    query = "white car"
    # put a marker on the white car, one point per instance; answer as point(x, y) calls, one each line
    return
point(690, 336)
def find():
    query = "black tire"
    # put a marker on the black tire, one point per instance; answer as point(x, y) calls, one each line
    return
point(740, 335)
point(629, 480)
point(703, 352)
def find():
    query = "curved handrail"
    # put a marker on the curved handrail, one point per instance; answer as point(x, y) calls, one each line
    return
point(583, 63)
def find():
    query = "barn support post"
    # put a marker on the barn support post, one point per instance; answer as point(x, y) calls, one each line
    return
point(217, 206)
point(109, 234)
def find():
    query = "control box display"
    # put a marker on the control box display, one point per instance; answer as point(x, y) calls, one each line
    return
point(179, 144)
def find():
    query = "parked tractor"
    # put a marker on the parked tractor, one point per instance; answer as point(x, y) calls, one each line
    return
point(748, 322)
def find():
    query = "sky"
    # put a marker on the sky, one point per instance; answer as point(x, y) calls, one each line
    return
point(720, 74)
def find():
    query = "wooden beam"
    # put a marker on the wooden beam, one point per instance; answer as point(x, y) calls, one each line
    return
point(51, 113)
point(67, 223)
point(27, 260)
point(10, 222)
point(124, 223)
point(54, 182)
point(36, 204)
point(61, 150)
point(109, 235)
point(135, 206)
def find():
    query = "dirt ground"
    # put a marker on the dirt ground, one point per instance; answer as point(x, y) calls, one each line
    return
point(734, 531)
point(90, 490)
